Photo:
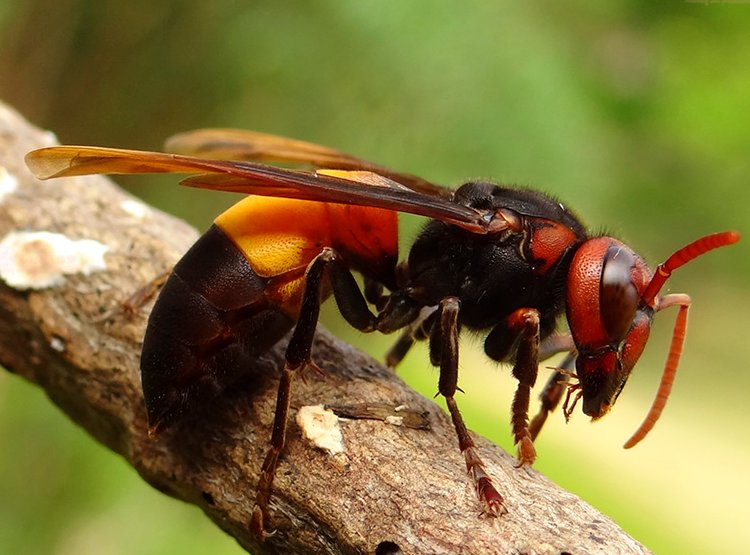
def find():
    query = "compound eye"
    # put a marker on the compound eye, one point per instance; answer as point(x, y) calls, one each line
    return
point(619, 296)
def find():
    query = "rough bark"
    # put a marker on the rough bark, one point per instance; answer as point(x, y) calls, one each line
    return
point(391, 483)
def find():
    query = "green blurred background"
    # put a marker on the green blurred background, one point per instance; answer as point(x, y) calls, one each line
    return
point(636, 114)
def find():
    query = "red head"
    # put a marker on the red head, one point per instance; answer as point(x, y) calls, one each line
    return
point(612, 296)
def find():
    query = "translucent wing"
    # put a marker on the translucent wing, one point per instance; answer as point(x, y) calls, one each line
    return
point(364, 188)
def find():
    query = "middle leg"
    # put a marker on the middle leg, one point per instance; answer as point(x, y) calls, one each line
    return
point(444, 352)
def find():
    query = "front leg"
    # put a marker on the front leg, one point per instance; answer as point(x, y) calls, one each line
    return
point(552, 393)
point(444, 351)
point(519, 335)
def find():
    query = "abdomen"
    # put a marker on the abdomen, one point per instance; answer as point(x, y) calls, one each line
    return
point(238, 290)
point(208, 324)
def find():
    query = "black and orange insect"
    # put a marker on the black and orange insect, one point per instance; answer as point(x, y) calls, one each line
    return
point(506, 262)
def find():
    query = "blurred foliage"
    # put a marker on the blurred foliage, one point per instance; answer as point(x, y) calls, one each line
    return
point(635, 113)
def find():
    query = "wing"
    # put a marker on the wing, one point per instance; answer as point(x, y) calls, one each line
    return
point(252, 146)
point(363, 188)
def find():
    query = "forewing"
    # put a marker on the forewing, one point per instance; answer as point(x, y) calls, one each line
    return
point(252, 178)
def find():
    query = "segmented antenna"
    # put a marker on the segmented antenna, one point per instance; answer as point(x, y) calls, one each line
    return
point(661, 275)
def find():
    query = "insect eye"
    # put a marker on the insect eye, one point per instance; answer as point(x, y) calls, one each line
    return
point(619, 296)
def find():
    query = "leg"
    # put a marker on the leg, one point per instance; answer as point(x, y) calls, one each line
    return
point(552, 394)
point(374, 293)
point(139, 298)
point(444, 347)
point(298, 356)
point(349, 299)
point(526, 322)
point(519, 335)
point(145, 293)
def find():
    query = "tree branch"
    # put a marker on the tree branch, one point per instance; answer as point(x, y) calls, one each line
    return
point(391, 483)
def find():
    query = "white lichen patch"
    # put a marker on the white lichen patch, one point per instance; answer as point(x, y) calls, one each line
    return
point(394, 420)
point(8, 183)
point(135, 208)
point(321, 427)
point(39, 259)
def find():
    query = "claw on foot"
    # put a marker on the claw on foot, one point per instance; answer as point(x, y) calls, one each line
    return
point(491, 500)
point(257, 520)
point(526, 452)
point(256, 523)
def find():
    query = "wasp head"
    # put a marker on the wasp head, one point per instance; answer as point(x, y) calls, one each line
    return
point(612, 296)
point(608, 324)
